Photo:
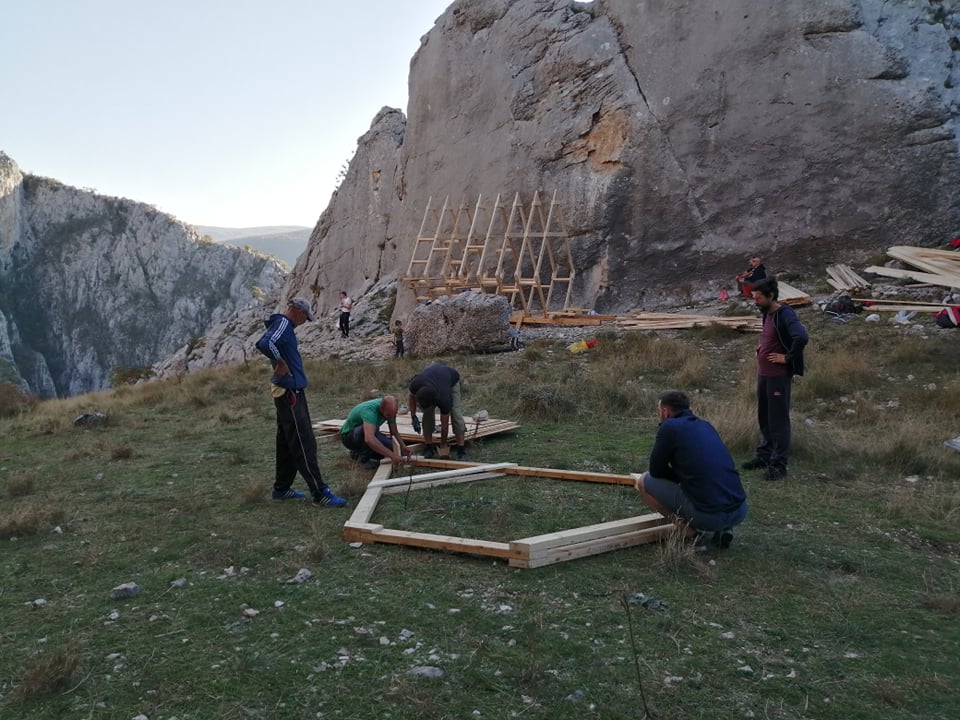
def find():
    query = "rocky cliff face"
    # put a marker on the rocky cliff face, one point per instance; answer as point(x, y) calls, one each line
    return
point(681, 138)
point(89, 284)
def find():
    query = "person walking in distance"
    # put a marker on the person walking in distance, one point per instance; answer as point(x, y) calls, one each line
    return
point(779, 358)
point(398, 337)
point(346, 305)
point(295, 441)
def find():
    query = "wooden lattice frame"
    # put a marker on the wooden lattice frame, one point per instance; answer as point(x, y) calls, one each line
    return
point(519, 253)
point(529, 552)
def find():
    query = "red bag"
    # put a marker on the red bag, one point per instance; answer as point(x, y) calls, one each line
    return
point(949, 317)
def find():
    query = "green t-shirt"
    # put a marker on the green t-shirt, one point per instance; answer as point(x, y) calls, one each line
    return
point(365, 412)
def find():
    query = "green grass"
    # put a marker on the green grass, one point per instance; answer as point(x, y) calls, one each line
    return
point(840, 593)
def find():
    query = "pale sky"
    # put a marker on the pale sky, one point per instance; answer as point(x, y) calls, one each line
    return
point(236, 113)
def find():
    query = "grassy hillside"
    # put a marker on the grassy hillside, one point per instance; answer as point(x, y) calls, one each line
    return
point(838, 599)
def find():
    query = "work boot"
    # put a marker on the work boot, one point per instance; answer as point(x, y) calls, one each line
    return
point(430, 451)
point(754, 464)
point(461, 453)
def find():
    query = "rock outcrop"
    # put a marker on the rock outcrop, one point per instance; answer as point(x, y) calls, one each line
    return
point(92, 284)
point(469, 322)
point(680, 137)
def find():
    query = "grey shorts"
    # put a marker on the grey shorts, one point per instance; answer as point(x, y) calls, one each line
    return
point(671, 496)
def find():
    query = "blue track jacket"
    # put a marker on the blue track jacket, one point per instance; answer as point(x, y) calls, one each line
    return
point(279, 342)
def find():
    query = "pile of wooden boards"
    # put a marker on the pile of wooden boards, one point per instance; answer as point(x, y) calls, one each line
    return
point(933, 267)
point(330, 429)
point(789, 295)
point(844, 279)
point(672, 321)
point(529, 552)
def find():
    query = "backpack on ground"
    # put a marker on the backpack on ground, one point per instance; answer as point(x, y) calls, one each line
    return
point(949, 317)
point(842, 305)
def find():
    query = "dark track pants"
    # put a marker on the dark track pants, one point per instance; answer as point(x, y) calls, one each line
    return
point(773, 414)
point(354, 440)
point(345, 324)
point(296, 444)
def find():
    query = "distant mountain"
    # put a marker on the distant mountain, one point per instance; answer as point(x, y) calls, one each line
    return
point(284, 242)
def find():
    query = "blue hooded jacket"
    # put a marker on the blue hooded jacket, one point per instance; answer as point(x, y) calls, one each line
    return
point(279, 342)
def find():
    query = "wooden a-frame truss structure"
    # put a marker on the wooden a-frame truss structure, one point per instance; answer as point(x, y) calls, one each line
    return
point(529, 552)
point(522, 254)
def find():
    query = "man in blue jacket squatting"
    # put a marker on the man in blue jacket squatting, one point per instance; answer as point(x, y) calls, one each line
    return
point(296, 444)
point(692, 478)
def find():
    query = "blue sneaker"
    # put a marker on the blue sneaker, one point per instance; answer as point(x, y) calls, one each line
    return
point(328, 499)
point(287, 495)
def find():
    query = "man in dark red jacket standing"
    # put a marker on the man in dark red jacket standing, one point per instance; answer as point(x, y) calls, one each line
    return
point(779, 358)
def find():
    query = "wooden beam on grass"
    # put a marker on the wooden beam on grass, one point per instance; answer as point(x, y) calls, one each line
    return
point(444, 542)
point(444, 475)
point(404, 487)
point(549, 541)
point(593, 547)
point(546, 473)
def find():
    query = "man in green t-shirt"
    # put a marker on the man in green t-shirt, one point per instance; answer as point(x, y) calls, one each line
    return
point(361, 435)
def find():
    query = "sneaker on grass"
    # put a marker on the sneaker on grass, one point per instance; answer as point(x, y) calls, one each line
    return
point(287, 495)
point(328, 499)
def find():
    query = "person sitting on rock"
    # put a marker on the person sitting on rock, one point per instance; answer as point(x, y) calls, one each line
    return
point(751, 276)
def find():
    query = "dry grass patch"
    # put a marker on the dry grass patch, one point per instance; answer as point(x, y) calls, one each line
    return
point(49, 672)
point(252, 492)
point(29, 518)
point(21, 483)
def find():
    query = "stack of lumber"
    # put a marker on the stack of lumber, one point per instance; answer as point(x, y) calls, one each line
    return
point(330, 429)
point(843, 278)
point(672, 321)
point(933, 267)
point(789, 295)
point(565, 317)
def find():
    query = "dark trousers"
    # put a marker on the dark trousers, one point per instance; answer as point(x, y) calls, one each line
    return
point(354, 440)
point(773, 414)
point(399, 344)
point(345, 324)
point(296, 444)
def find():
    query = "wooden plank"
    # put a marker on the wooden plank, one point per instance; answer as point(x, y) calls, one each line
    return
point(443, 542)
point(490, 426)
point(360, 532)
point(473, 469)
point(919, 276)
point(364, 509)
point(594, 547)
point(398, 489)
point(540, 543)
point(884, 307)
point(547, 473)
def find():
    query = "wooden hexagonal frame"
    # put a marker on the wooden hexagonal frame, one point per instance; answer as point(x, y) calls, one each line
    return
point(529, 552)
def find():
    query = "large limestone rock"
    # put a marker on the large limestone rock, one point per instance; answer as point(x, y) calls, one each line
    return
point(93, 283)
point(681, 137)
point(469, 321)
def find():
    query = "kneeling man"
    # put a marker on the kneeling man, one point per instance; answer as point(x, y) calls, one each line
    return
point(692, 478)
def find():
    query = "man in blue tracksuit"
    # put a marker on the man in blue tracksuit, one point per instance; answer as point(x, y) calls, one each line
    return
point(296, 443)
point(779, 358)
point(692, 477)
